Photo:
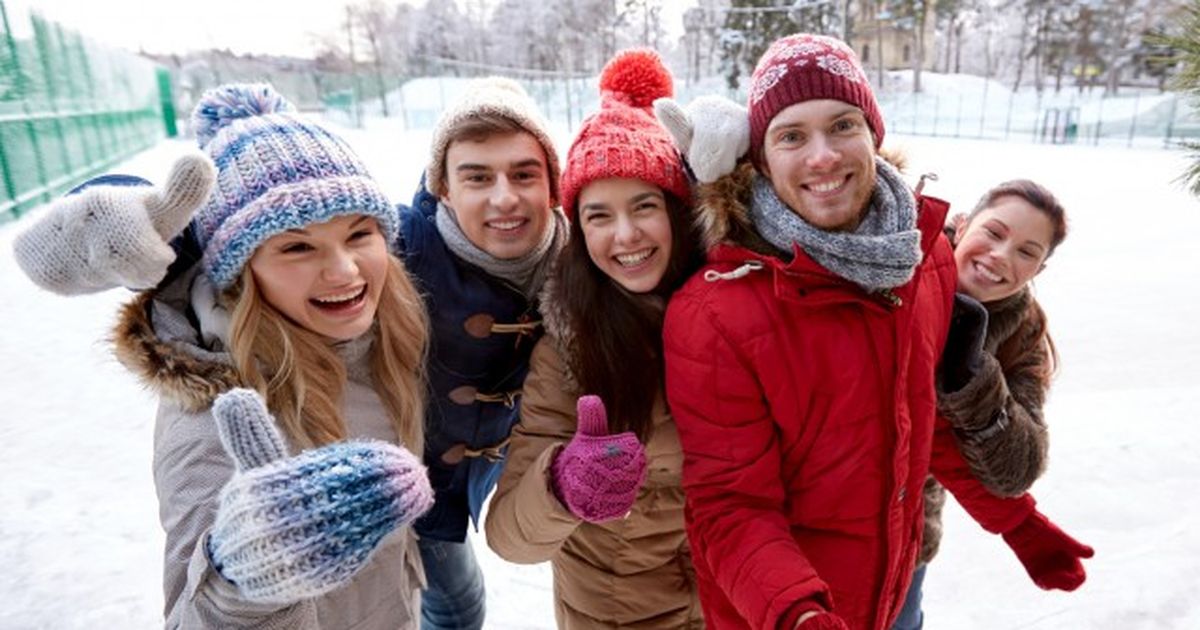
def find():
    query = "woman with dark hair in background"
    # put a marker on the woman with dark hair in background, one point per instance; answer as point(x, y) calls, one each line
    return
point(999, 358)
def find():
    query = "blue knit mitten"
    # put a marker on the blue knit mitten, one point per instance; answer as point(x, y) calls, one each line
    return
point(291, 528)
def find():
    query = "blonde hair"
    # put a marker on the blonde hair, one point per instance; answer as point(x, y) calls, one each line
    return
point(302, 378)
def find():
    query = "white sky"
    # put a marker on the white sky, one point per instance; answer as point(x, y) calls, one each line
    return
point(262, 26)
point(288, 27)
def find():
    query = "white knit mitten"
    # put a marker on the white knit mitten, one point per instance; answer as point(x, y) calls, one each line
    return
point(106, 236)
point(712, 133)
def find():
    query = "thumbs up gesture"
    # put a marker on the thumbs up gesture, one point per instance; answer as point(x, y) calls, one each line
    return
point(114, 230)
point(597, 476)
point(290, 528)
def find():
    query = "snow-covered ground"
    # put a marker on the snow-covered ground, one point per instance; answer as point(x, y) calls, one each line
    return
point(80, 541)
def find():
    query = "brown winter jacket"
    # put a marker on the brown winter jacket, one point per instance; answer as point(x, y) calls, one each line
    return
point(634, 572)
point(155, 341)
point(998, 414)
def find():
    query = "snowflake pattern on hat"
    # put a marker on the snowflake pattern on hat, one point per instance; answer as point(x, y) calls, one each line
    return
point(839, 66)
point(829, 55)
point(798, 49)
point(767, 80)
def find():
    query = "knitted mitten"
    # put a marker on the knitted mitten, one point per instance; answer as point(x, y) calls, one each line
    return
point(597, 476)
point(1051, 557)
point(823, 621)
point(290, 528)
point(711, 133)
point(113, 230)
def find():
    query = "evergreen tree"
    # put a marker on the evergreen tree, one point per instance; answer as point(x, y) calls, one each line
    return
point(760, 23)
point(1186, 46)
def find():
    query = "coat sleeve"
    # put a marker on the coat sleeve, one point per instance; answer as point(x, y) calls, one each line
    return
point(998, 419)
point(736, 525)
point(190, 468)
point(994, 513)
point(525, 522)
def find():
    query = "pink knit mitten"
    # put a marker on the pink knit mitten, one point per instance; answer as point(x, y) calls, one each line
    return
point(597, 476)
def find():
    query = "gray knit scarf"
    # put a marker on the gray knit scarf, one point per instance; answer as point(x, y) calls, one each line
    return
point(881, 253)
point(528, 272)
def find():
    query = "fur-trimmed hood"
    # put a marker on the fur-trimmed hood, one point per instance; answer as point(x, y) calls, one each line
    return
point(722, 210)
point(556, 322)
point(160, 347)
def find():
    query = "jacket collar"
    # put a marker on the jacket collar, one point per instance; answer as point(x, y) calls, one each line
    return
point(173, 367)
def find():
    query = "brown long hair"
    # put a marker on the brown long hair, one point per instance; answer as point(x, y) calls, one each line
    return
point(302, 378)
point(1034, 320)
point(616, 335)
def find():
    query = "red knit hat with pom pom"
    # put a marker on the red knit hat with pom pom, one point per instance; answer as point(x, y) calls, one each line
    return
point(624, 139)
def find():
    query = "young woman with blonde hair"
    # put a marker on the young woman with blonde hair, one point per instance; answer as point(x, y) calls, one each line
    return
point(299, 332)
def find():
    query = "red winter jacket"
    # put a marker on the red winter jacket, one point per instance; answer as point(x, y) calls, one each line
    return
point(805, 409)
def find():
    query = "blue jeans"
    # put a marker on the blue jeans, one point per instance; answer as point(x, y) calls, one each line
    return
point(911, 617)
point(454, 598)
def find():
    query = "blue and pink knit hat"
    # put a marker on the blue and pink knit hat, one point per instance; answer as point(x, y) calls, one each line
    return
point(276, 171)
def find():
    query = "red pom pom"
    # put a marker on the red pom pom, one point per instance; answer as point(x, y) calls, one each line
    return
point(638, 77)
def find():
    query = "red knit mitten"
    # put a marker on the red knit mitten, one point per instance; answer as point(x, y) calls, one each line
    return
point(1051, 557)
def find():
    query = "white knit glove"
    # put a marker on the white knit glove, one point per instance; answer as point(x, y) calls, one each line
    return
point(107, 236)
point(712, 133)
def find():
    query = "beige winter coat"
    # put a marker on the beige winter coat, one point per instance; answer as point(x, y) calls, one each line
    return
point(634, 572)
point(157, 343)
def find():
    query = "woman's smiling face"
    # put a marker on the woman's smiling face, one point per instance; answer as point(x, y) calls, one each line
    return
point(1002, 248)
point(325, 277)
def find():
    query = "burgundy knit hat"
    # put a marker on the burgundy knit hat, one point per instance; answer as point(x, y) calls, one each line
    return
point(806, 67)
point(624, 139)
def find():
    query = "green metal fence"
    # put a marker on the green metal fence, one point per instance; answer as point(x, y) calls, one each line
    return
point(68, 109)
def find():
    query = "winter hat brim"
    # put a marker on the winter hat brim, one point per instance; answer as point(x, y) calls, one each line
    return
point(289, 207)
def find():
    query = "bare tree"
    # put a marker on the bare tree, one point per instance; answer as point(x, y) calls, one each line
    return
point(371, 21)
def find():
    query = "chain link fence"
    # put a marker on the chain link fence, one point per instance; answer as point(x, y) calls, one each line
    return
point(69, 109)
point(1137, 117)
point(957, 106)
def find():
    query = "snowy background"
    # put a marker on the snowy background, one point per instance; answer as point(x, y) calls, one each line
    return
point(79, 534)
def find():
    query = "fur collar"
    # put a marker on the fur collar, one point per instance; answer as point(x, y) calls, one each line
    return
point(1006, 317)
point(557, 324)
point(167, 368)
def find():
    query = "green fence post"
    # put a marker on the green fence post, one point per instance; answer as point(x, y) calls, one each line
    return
point(167, 99)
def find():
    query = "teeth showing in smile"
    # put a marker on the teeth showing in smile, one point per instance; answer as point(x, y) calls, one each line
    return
point(341, 297)
point(630, 260)
point(510, 224)
point(987, 273)
point(824, 187)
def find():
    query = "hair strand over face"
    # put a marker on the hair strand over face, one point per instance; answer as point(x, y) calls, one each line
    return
point(302, 377)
